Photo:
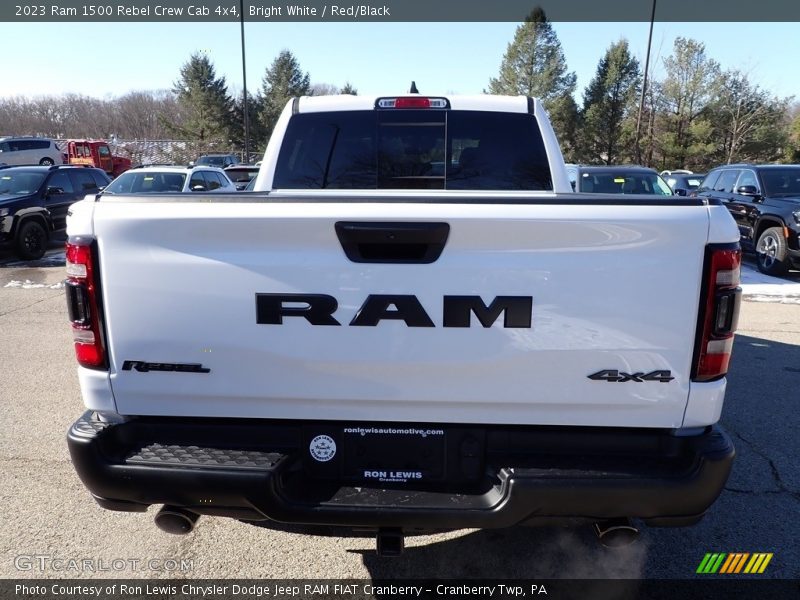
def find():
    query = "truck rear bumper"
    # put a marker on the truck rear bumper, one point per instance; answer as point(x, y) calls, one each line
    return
point(490, 476)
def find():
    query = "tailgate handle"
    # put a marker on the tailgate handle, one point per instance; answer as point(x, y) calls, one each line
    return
point(403, 243)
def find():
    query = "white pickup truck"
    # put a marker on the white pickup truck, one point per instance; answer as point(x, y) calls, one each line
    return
point(414, 325)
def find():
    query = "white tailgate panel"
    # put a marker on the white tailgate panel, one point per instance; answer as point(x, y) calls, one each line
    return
point(613, 287)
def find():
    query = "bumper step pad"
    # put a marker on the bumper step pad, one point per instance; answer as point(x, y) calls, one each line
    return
point(166, 455)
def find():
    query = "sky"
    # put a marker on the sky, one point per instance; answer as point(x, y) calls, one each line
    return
point(110, 59)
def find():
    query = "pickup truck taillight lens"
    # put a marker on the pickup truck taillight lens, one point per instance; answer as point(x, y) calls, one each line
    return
point(719, 311)
point(83, 304)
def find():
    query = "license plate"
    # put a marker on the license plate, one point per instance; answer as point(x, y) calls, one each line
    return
point(398, 454)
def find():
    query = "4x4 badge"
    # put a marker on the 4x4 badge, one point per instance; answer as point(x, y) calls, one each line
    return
point(614, 376)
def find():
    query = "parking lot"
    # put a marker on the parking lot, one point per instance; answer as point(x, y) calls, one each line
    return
point(49, 519)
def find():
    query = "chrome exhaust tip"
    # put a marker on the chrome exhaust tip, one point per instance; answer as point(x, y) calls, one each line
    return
point(616, 533)
point(176, 520)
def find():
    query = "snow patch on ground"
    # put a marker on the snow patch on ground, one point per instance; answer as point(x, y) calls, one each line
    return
point(774, 299)
point(29, 285)
point(757, 287)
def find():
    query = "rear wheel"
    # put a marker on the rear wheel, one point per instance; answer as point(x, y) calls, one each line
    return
point(31, 240)
point(771, 252)
point(47, 162)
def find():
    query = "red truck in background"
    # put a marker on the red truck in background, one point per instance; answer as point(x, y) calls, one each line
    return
point(96, 153)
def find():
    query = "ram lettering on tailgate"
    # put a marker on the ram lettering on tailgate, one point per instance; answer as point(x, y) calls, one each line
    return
point(318, 309)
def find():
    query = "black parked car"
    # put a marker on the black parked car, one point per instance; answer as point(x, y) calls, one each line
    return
point(217, 160)
point(683, 184)
point(765, 201)
point(34, 202)
point(241, 175)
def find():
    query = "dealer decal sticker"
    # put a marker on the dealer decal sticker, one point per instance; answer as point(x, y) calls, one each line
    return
point(322, 448)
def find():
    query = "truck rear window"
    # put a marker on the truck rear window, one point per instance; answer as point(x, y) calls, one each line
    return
point(413, 149)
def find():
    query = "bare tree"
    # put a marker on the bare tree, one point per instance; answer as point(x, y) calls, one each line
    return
point(135, 115)
point(323, 89)
point(741, 110)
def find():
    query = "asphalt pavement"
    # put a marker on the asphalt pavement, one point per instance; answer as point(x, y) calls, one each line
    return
point(52, 528)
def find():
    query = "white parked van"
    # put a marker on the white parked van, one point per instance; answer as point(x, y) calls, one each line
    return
point(29, 151)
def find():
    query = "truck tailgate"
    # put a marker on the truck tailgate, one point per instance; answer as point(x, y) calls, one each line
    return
point(613, 287)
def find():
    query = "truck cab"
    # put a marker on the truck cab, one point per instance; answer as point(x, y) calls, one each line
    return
point(96, 153)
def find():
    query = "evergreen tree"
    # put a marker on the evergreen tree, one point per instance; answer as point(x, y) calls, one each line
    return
point(564, 116)
point(691, 82)
point(608, 102)
point(205, 110)
point(283, 81)
point(534, 65)
point(257, 134)
point(349, 89)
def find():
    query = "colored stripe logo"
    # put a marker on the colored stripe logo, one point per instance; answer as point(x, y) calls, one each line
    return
point(736, 562)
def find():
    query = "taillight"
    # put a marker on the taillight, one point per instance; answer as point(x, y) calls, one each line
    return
point(719, 311)
point(83, 304)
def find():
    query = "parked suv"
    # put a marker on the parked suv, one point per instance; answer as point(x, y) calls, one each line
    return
point(29, 151)
point(765, 202)
point(158, 179)
point(617, 179)
point(34, 202)
point(218, 160)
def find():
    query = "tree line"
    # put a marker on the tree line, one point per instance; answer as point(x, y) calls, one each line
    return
point(695, 116)
point(136, 115)
point(199, 110)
